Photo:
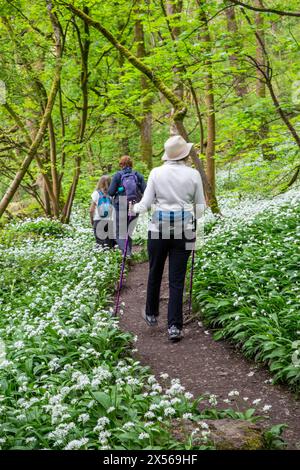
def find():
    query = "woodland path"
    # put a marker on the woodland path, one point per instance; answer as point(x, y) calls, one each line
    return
point(205, 366)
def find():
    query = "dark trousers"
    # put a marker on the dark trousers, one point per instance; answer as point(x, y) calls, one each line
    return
point(104, 233)
point(158, 251)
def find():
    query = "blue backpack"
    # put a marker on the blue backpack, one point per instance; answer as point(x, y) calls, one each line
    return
point(104, 205)
point(131, 186)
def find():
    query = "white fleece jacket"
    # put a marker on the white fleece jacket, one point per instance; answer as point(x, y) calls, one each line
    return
point(173, 186)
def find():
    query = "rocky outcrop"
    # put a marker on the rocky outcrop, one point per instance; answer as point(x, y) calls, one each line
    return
point(223, 434)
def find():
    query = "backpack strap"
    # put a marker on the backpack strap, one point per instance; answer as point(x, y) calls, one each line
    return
point(137, 179)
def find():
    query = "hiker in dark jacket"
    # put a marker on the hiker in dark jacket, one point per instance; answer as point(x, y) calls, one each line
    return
point(127, 186)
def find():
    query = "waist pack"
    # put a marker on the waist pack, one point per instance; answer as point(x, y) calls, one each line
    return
point(173, 222)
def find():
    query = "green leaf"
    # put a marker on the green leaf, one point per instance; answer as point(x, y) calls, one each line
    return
point(102, 398)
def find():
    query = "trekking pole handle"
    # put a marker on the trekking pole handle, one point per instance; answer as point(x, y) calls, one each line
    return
point(130, 209)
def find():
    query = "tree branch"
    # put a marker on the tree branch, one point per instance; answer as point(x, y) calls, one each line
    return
point(154, 78)
point(267, 10)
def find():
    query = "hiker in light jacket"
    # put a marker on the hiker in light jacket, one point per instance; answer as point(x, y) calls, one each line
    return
point(176, 192)
point(127, 186)
point(101, 211)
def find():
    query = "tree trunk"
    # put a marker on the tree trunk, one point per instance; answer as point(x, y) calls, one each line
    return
point(123, 135)
point(46, 199)
point(172, 12)
point(54, 173)
point(282, 113)
point(48, 186)
point(199, 116)
point(211, 132)
point(63, 134)
point(146, 121)
point(84, 50)
point(174, 9)
point(267, 149)
point(239, 81)
point(260, 55)
point(146, 138)
point(210, 104)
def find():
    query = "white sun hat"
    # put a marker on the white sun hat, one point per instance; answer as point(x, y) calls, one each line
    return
point(176, 148)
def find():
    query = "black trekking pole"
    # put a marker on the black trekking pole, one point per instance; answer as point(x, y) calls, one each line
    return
point(192, 269)
point(191, 281)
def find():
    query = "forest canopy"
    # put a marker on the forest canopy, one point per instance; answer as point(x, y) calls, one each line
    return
point(84, 82)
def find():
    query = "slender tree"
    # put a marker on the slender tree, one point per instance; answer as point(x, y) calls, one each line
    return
point(84, 45)
point(267, 149)
point(209, 100)
point(239, 81)
point(145, 124)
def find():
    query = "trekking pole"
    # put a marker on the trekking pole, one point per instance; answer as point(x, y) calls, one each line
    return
point(122, 269)
point(191, 281)
point(192, 274)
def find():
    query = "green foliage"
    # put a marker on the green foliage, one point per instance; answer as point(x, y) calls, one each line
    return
point(273, 437)
point(247, 287)
point(45, 227)
point(115, 95)
point(67, 376)
point(33, 229)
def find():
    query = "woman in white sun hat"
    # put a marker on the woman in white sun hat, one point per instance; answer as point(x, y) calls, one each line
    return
point(175, 192)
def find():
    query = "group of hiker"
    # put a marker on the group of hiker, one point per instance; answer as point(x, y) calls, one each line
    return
point(174, 193)
point(110, 203)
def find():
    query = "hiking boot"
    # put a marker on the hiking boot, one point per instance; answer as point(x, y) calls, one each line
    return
point(151, 320)
point(175, 334)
